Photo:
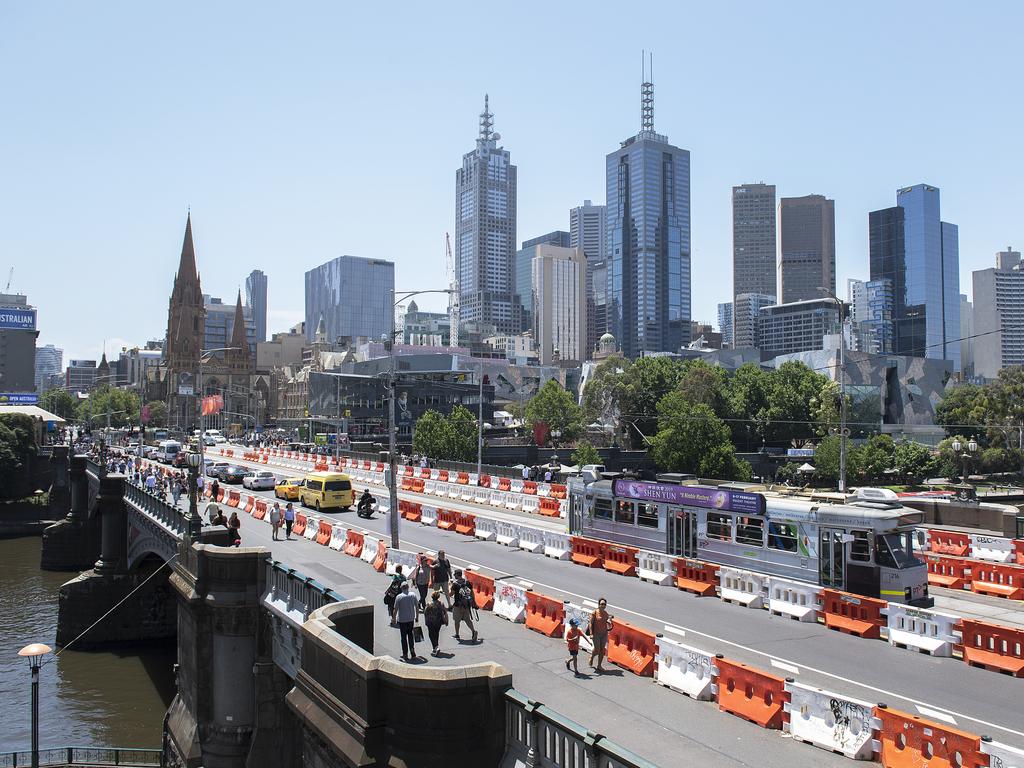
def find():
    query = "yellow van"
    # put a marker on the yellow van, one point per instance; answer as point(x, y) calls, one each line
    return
point(323, 490)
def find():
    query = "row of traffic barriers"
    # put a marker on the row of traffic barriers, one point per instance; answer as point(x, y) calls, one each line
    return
point(978, 546)
point(981, 576)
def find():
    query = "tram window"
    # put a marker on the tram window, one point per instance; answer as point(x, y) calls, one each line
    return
point(894, 550)
point(647, 515)
point(750, 530)
point(624, 512)
point(603, 508)
point(719, 526)
point(860, 548)
point(782, 536)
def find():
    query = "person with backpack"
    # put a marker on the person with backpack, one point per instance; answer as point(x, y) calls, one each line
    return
point(421, 577)
point(392, 592)
point(435, 616)
point(462, 597)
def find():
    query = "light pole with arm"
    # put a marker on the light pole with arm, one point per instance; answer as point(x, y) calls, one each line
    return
point(842, 389)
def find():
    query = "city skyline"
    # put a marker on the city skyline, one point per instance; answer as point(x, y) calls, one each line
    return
point(309, 199)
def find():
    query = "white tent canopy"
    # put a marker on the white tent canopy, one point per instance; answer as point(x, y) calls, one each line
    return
point(34, 411)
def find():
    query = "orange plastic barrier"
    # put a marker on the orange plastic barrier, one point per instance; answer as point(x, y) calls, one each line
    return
point(483, 590)
point(853, 614)
point(416, 485)
point(264, 459)
point(549, 507)
point(381, 560)
point(949, 543)
point(323, 534)
point(442, 475)
point(463, 478)
point(993, 646)
point(632, 648)
point(250, 504)
point(557, 491)
point(366, 464)
point(696, 576)
point(299, 526)
point(410, 510)
point(234, 498)
point(910, 741)
point(751, 694)
point(949, 572)
point(545, 614)
point(353, 544)
point(220, 494)
point(465, 523)
point(380, 466)
point(425, 473)
point(408, 471)
point(485, 481)
point(621, 560)
point(260, 509)
point(1018, 550)
point(997, 579)
point(530, 487)
point(588, 552)
point(446, 519)
point(504, 484)
point(406, 484)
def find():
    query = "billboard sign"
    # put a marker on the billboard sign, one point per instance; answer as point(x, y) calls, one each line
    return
point(17, 319)
point(691, 495)
point(185, 384)
point(18, 398)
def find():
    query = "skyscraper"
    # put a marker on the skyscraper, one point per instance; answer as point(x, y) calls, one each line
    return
point(807, 248)
point(753, 241)
point(648, 239)
point(353, 295)
point(725, 323)
point(522, 273)
point(745, 313)
point(485, 232)
point(18, 336)
point(559, 277)
point(49, 362)
point(587, 226)
point(998, 315)
point(256, 302)
point(919, 253)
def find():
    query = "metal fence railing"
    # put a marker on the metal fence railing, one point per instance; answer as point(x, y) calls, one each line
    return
point(294, 591)
point(88, 757)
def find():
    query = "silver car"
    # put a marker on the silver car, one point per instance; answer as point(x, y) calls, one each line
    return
point(262, 480)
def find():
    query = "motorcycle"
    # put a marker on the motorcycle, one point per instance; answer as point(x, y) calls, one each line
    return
point(365, 510)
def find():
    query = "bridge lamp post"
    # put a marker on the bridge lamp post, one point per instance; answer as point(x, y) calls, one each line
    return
point(193, 524)
point(969, 449)
point(34, 653)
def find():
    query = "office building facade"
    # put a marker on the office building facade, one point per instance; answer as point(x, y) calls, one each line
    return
point(353, 295)
point(560, 304)
point(485, 233)
point(806, 248)
point(999, 315)
point(49, 363)
point(587, 229)
point(648, 240)
point(753, 241)
point(80, 376)
point(966, 336)
point(256, 302)
point(725, 323)
point(912, 247)
point(219, 325)
point(799, 326)
point(18, 336)
point(746, 311)
point(430, 329)
point(522, 275)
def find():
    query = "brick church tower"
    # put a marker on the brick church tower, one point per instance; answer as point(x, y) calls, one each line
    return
point(186, 319)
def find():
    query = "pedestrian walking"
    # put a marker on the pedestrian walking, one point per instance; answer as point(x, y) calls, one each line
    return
point(572, 642)
point(462, 597)
point(200, 482)
point(151, 482)
point(421, 577)
point(526, 473)
point(407, 610)
point(547, 476)
point(275, 520)
point(435, 616)
point(214, 489)
point(176, 490)
point(289, 520)
point(442, 576)
point(600, 626)
point(393, 590)
point(234, 529)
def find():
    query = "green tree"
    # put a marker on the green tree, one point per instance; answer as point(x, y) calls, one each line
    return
point(691, 438)
point(59, 402)
point(875, 458)
point(912, 461)
point(746, 402)
point(429, 437)
point(122, 405)
point(460, 435)
point(962, 410)
point(157, 413)
point(557, 408)
point(702, 383)
point(793, 388)
point(17, 440)
point(602, 394)
point(585, 454)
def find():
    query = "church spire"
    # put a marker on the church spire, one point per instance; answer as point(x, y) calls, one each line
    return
point(238, 329)
point(187, 265)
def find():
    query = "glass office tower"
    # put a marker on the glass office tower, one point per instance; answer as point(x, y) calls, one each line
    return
point(648, 240)
point(354, 296)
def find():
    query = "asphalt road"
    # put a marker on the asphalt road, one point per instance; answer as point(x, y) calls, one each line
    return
point(946, 689)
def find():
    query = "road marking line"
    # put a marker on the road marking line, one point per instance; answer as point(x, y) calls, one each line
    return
point(783, 665)
point(586, 602)
point(936, 714)
point(676, 630)
point(527, 584)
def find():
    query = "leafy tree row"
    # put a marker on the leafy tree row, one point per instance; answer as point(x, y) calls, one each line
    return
point(992, 412)
point(452, 437)
point(122, 404)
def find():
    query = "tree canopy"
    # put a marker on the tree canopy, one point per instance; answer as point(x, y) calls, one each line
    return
point(557, 408)
point(59, 402)
point(691, 438)
point(121, 404)
point(450, 438)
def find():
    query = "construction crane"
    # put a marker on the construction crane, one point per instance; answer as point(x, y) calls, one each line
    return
point(453, 297)
point(10, 276)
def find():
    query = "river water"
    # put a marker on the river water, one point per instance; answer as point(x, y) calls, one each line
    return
point(115, 699)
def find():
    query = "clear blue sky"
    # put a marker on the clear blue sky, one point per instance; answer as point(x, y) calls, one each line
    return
point(300, 132)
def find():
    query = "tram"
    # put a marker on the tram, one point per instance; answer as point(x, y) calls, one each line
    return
point(864, 546)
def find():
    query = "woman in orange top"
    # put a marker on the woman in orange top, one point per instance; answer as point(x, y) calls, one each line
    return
point(572, 640)
point(600, 626)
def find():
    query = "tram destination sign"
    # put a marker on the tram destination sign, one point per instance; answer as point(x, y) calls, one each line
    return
point(692, 495)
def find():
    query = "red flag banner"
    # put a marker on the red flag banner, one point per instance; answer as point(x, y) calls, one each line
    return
point(212, 405)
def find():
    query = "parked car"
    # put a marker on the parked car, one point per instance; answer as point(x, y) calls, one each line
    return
point(262, 480)
point(289, 489)
point(233, 474)
point(214, 468)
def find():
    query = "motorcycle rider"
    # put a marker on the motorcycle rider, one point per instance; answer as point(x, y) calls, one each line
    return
point(366, 504)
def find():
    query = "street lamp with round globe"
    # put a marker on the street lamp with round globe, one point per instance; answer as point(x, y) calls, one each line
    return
point(193, 524)
point(34, 653)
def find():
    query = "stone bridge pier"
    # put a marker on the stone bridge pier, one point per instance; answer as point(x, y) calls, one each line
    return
point(73, 543)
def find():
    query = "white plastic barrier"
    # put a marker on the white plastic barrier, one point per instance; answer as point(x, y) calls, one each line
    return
point(563, 508)
point(312, 528)
point(370, 543)
point(399, 557)
point(474, 479)
point(384, 505)
point(516, 486)
point(832, 722)
point(685, 669)
point(919, 540)
point(428, 486)
point(557, 545)
point(543, 490)
point(506, 534)
point(497, 498)
point(531, 539)
point(742, 587)
point(485, 528)
point(1002, 755)
point(428, 515)
point(435, 474)
point(513, 501)
point(530, 503)
point(510, 602)
point(921, 630)
point(338, 535)
point(454, 490)
point(468, 493)
point(482, 495)
point(655, 567)
point(993, 548)
point(441, 489)
point(795, 599)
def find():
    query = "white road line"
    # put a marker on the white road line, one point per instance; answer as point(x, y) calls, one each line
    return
point(784, 666)
point(675, 630)
point(934, 713)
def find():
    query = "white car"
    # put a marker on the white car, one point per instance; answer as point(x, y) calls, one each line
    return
point(262, 480)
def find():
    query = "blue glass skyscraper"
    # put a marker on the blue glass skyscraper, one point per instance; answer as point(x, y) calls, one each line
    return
point(648, 240)
point(919, 253)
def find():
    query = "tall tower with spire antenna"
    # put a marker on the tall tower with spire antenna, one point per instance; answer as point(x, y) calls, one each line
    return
point(485, 233)
point(647, 240)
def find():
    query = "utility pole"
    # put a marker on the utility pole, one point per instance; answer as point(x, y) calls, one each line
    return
point(480, 421)
point(392, 464)
point(843, 431)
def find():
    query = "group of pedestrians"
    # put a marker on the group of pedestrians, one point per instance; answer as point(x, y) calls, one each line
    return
point(599, 624)
point(233, 523)
point(279, 517)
